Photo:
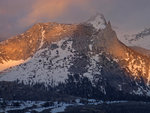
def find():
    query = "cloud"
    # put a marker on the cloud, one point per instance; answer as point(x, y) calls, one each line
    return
point(10, 14)
point(51, 9)
point(16, 16)
point(1, 11)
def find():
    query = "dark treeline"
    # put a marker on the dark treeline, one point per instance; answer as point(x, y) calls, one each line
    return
point(75, 85)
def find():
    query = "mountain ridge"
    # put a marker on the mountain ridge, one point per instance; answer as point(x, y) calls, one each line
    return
point(76, 55)
point(139, 39)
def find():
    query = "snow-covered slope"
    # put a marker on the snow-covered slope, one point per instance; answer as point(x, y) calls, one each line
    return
point(36, 41)
point(46, 66)
point(10, 63)
point(87, 55)
point(143, 42)
point(141, 39)
point(21, 48)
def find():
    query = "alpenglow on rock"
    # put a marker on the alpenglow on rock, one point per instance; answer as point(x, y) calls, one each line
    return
point(86, 54)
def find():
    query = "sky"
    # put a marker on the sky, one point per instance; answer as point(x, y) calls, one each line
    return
point(16, 16)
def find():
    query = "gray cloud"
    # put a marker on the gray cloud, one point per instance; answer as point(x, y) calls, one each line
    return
point(18, 15)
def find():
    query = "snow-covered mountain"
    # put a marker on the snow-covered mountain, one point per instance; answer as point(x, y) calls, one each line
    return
point(86, 58)
point(140, 39)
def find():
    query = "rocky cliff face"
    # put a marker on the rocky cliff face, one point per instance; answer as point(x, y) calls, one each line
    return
point(86, 57)
point(22, 47)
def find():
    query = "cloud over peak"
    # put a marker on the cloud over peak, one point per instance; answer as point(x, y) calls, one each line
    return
point(18, 15)
point(51, 9)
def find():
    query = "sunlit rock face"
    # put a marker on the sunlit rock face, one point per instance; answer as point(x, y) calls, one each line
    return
point(20, 48)
point(49, 52)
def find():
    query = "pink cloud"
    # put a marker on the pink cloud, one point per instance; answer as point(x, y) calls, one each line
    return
point(51, 9)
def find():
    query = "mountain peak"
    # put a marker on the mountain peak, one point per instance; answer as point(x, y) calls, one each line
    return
point(98, 21)
point(70, 55)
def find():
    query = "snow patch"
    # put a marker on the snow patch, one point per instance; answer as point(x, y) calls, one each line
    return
point(11, 63)
point(56, 107)
point(47, 66)
point(43, 36)
point(60, 109)
point(98, 22)
point(138, 91)
point(93, 68)
point(90, 47)
point(130, 39)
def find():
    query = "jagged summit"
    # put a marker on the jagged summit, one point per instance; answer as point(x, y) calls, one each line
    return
point(98, 21)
